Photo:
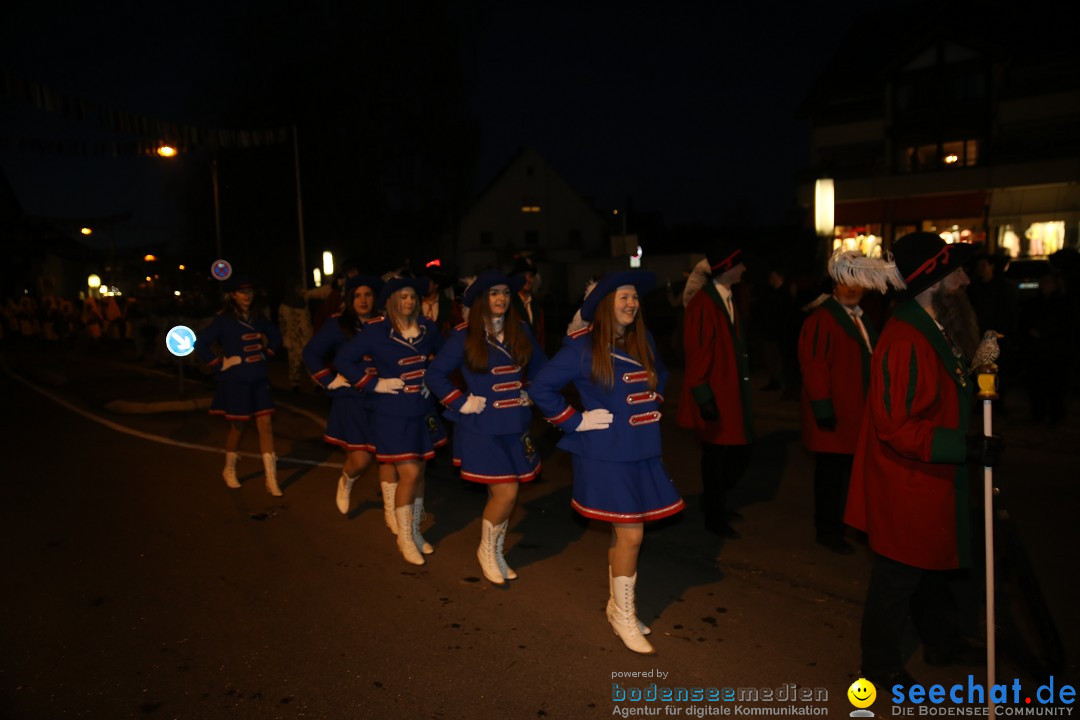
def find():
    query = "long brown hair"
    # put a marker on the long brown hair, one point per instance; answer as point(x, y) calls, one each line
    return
point(634, 340)
point(393, 313)
point(476, 347)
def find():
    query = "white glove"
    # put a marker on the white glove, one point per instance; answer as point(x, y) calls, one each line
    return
point(230, 362)
point(338, 382)
point(595, 420)
point(473, 405)
point(389, 386)
point(525, 399)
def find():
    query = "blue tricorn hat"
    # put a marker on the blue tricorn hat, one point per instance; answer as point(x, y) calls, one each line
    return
point(487, 280)
point(237, 282)
point(419, 286)
point(642, 280)
point(375, 283)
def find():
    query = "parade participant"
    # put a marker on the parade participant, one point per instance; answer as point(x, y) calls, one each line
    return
point(408, 430)
point(615, 439)
point(715, 397)
point(351, 424)
point(909, 481)
point(295, 325)
point(497, 356)
point(524, 300)
point(246, 340)
point(436, 305)
point(834, 355)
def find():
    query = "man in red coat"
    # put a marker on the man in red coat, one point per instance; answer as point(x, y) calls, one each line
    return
point(834, 355)
point(715, 397)
point(909, 481)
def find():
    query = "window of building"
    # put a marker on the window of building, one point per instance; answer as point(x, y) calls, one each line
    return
point(1039, 240)
point(532, 237)
point(938, 156)
point(865, 238)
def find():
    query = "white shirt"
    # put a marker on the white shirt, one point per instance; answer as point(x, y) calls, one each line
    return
point(725, 295)
point(856, 313)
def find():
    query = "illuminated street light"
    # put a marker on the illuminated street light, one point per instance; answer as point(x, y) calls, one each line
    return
point(327, 262)
point(824, 207)
point(317, 274)
point(93, 282)
point(86, 231)
point(149, 258)
point(166, 151)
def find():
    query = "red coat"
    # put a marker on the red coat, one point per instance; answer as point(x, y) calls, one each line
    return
point(909, 481)
point(716, 369)
point(835, 363)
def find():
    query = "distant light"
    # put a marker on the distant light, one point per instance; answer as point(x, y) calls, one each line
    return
point(824, 207)
point(148, 278)
point(317, 274)
point(614, 212)
point(149, 258)
point(950, 159)
point(93, 282)
point(434, 263)
point(635, 260)
point(176, 293)
point(530, 208)
point(183, 268)
point(86, 231)
point(166, 151)
point(327, 262)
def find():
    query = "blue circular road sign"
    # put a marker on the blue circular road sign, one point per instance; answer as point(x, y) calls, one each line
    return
point(180, 341)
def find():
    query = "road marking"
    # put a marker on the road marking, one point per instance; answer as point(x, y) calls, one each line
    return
point(149, 436)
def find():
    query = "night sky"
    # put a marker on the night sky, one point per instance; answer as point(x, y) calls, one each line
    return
point(688, 109)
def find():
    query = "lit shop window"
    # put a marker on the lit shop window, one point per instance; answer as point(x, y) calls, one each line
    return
point(864, 239)
point(1039, 240)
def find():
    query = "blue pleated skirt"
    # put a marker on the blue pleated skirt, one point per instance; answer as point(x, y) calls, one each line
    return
point(492, 459)
point(351, 424)
point(624, 492)
point(400, 439)
point(239, 401)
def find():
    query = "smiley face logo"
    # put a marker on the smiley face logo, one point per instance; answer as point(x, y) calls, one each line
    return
point(862, 693)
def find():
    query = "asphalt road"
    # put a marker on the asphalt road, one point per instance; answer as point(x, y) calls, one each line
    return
point(140, 586)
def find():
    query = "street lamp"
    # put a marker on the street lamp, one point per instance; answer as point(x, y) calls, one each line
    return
point(166, 151)
point(327, 262)
point(825, 213)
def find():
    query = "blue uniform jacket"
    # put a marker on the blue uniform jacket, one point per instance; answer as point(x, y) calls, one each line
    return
point(238, 338)
point(505, 412)
point(319, 356)
point(634, 433)
point(393, 357)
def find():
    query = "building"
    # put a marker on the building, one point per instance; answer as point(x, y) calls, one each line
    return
point(529, 209)
point(956, 118)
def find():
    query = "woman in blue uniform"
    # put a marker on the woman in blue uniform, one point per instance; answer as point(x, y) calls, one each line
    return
point(408, 430)
point(246, 339)
point(615, 439)
point(497, 355)
point(351, 425)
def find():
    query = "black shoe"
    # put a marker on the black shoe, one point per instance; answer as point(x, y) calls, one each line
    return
point(836, 545)
point(724, 530)
point(961, 652)
point(884, 683)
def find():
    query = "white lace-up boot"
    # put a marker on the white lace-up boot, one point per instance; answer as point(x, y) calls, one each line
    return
point(623, 619)
point(486, 552)
point(270, 465)
point(344, 488)
point(404, 517)
point(229, 473)
point(418, 517)
point(645, 630)
point(389, 490)
point(500, 538)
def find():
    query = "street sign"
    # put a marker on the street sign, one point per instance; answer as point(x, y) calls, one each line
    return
point(221, 270)
point(180, 341)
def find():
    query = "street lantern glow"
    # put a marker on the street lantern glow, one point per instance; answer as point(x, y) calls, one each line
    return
point(86, 231)
point(182, 267)
point(824, 207)
point(317, 274)
point(93, 282)
point(149, 258)
point(166, 151)
point(327, 262)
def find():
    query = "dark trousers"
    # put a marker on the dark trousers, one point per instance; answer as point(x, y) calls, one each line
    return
point(722, 466)
point(895, 592)
point(831, 474)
